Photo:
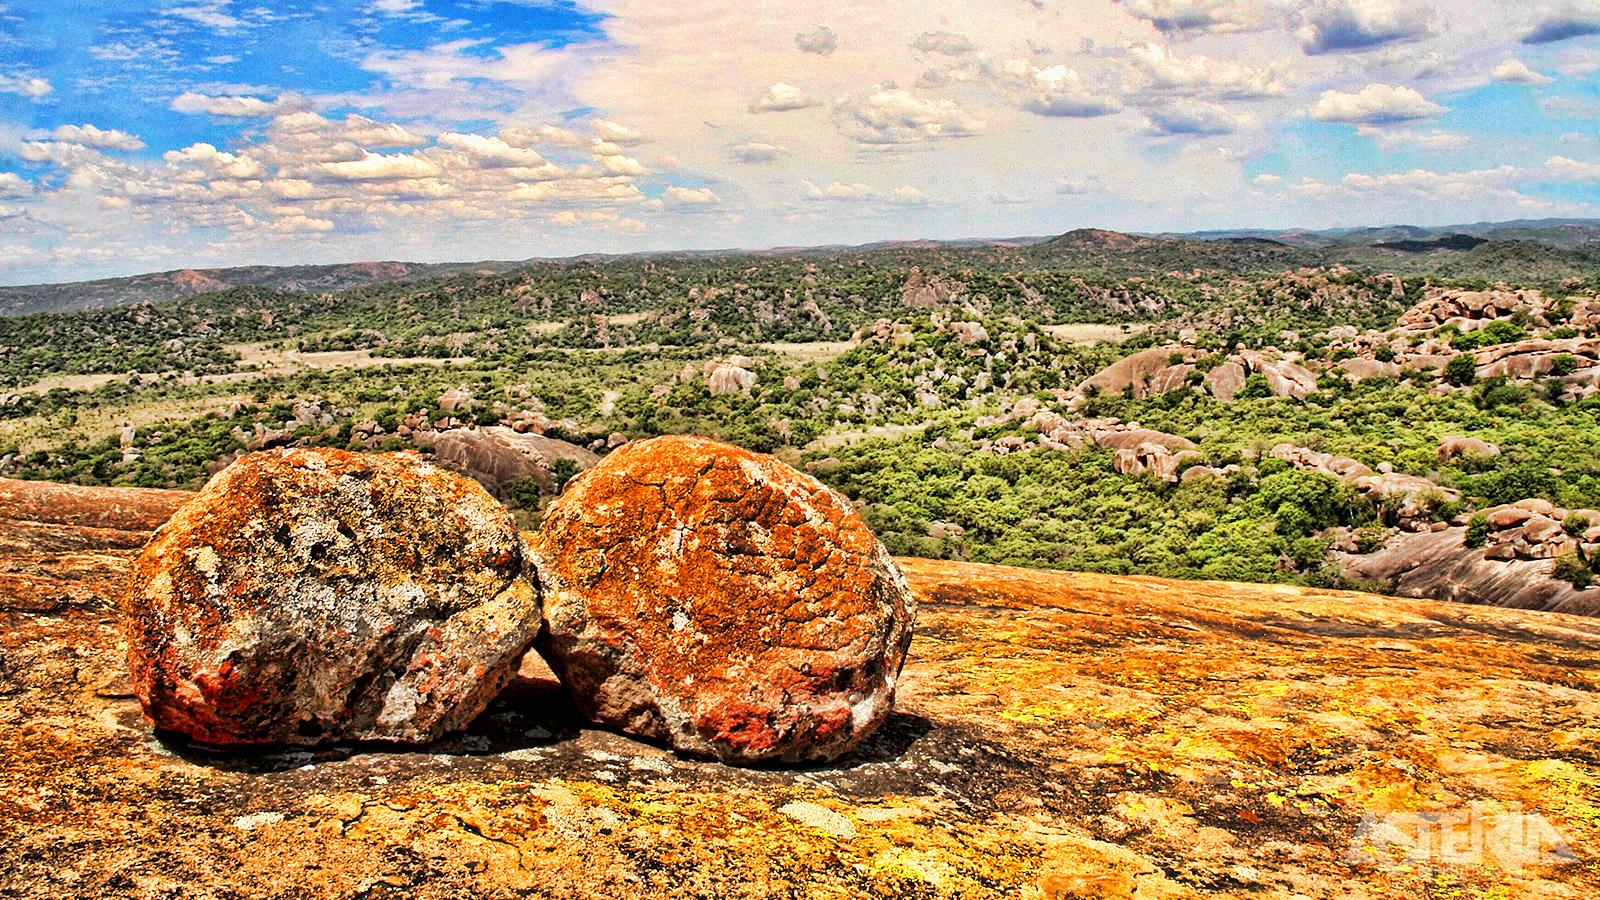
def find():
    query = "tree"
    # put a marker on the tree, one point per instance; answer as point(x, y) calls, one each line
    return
point(1462, 369)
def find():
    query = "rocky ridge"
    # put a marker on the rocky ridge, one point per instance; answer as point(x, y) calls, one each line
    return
point(1056, 736)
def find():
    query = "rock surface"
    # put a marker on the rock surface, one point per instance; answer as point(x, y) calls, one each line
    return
point(718, 600)
point(312, 596)
point(1055, 736)
point(497, 455)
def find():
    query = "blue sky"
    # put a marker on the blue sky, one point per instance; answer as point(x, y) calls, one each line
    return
point(138, 136)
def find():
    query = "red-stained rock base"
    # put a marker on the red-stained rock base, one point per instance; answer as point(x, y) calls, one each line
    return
point(720, 601)
point(310, 596)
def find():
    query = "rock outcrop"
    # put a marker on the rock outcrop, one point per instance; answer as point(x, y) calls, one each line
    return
point(716, 599)
point(1055, 736)
point(315, 596)
point(496, 456)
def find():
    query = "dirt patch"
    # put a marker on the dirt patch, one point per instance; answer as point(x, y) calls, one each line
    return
point(1093, 334)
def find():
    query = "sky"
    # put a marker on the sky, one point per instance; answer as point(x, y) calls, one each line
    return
point(146, 136)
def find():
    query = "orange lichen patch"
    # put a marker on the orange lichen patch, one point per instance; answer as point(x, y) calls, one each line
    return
point(719, 600)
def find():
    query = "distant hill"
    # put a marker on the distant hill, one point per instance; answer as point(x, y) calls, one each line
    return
point(1544, 250)
point(160, 286)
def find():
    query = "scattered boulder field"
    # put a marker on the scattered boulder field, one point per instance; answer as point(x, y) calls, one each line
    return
point(1054, 736)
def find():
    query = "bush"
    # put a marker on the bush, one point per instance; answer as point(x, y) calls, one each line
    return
point(1563, 364)
point(1571, 568)
point(1371, 538)
point(1575, 524)
point(1255, 387)
point(1462, 369)
point(1384, 353)
point(1477, 530)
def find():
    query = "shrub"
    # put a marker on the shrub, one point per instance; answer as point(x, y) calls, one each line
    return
point(1571, 568)
point(1563, 364)
point(1477, 530)
point(1462, 369)
point(1255, 387)
point(1575, 524)
point(1175, 358)
point(1371, 538)
point(1384, 353)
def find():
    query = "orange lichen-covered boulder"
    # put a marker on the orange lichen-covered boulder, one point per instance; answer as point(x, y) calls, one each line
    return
point(308, 596)
point(720, 601)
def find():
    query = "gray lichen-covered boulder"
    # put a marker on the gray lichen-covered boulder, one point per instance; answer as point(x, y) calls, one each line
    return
point(720, 601)
point(308, 596)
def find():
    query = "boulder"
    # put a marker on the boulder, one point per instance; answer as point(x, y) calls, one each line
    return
point(310, 596)
point(728, 377)
point(1133, 371)
point(496, 456)
point(1226, 380)
point(719, 601)
point(1452, 447)
point(122, 509)
point(1131, 438)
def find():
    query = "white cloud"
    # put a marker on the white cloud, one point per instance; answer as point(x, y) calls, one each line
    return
point(1375, 104)
point(891, 115)
point(1196, 118)
point(615, 133)
point(856, 191)
point(26, 85)
point(1335, 26)
point(1056, 91)
point(209, 15)
point(544, 134)
point(1564, 21)
point(214, 163)
point(1565, 169)
point(1569, 107)
point(945, 43)
point(690, 197)
point(1517, 72)
point(436, 67)
point(493, 152)
point(1204, 75)
point(781, 97)
point(821, 41)
point(379, 167)
point(1199, 15)
point(239, 107)
point(755, 152)
point(14, 185)
point(90, 136)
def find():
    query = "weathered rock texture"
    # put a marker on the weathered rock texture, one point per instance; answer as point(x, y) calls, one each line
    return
point(718, 600)
point(310, 596)
point(497, 455)
point(1055, 737)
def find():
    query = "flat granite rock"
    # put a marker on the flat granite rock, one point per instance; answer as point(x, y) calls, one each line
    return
point(309, 596)
point(718, 600)
point(1055, 737)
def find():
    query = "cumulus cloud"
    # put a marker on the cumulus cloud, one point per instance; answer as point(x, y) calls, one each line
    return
point(1334, 26)
point(14, 185)
point(1167, 72)
point(207, 162)
point(239, 107)
point(1567, 169)
point(754, 152)
point(781, 97)
point(1577, 18)
point(90, 136)
point(690, 197)
point(380, 167)
point(616, 133)
point(944, 42)
point(1390, 138)
point(821, 40)
point(1055, 91)
point(492, 152)
point(26, 85)
point(1516, 71)
point(209, 15)
point(1375, 104)
point(1196, 118)
point(544, 134)
point(891, 115)
point(1199, 15)
point(436, 67)
point(856, 191)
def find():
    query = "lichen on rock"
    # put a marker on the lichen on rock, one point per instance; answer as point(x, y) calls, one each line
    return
point(311, 596)
point(717, 600)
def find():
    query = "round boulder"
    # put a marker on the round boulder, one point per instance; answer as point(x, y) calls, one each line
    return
point(308, 596)
point(719, 601)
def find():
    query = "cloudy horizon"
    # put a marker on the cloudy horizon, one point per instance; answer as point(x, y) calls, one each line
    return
point(142, 136)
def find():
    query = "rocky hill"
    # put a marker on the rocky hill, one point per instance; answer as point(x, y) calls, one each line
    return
point(1056, 736)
